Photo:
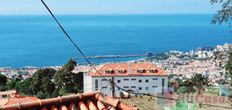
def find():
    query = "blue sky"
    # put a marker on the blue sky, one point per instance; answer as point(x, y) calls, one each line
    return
point(107, 6)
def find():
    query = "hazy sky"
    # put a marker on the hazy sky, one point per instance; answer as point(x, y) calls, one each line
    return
point(106, 6)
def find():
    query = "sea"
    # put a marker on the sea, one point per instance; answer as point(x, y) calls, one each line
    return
point(36, 40)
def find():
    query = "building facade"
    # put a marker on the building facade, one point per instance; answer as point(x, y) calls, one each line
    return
point(135, 77)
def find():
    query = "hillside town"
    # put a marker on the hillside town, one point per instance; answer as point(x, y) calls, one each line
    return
point(209, 61)
point(150, 76)
point(206, 60)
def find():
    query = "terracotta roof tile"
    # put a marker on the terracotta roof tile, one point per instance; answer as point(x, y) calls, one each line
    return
point(54, 108)
point(91, 105)
point(72, 106)
point(63, 107)
point(82, 106)
point(85, 101)
point(18, 100)
point(100, 105)
point(130, 69)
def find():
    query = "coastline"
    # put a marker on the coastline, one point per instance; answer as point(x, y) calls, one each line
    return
point(141, 57)
point(130, 35)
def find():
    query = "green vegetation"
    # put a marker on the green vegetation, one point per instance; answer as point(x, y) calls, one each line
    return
point(199, 81)
point(196, 83)
point(3, 81)
point(122, 95)
point(41, 83)
point(223, 15)
point(47, 83)
point(229, 66)
point(159, 56)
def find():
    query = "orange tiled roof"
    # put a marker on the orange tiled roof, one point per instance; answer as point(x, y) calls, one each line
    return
point(130, 69)
point(85, 101)
point(17, 99)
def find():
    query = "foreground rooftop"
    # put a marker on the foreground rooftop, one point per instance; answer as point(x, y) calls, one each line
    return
point(85, 101)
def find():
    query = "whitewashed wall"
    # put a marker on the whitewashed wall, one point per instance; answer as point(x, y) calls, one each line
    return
point(153, 86)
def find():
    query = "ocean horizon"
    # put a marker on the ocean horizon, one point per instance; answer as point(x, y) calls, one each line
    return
point(32, 40)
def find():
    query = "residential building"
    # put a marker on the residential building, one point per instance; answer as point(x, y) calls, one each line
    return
point(144, 77)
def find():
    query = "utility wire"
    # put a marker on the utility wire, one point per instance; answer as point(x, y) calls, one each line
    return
point(83, 55)
point(78, 49)
point(67, 35)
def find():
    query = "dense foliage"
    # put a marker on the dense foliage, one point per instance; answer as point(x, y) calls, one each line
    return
point(66, 81)
point(196, 83)
point(3, 81)
point(199, 81)
point(47, 83)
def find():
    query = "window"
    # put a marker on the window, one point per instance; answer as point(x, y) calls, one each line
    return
point(122, 71)
point(154, 78)
point(126, 79)
point(146, 80)
point(104, 87)
point(141, 71)
point(146, 88)
point(140, 80)
point(163, 82)
point(154, 86)
point(133, 79)
point(104, 79)
point(140, 88)
point(4, 96)
point(96, 84)
point(119, 81)
point(154, 71)
point(109, 71)
point(126, 87)
point(133, 86)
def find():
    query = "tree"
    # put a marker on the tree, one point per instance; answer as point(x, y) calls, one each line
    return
point(224, 15)
point(199, 81)
point(23, 85)
point(186, 87)
point(41, 83)
point(3, 79)
point(66, 81)
point(69, 66)
point(11, 84)
point(47, 83)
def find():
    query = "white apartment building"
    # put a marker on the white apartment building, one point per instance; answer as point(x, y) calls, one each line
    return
point(136, 77)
